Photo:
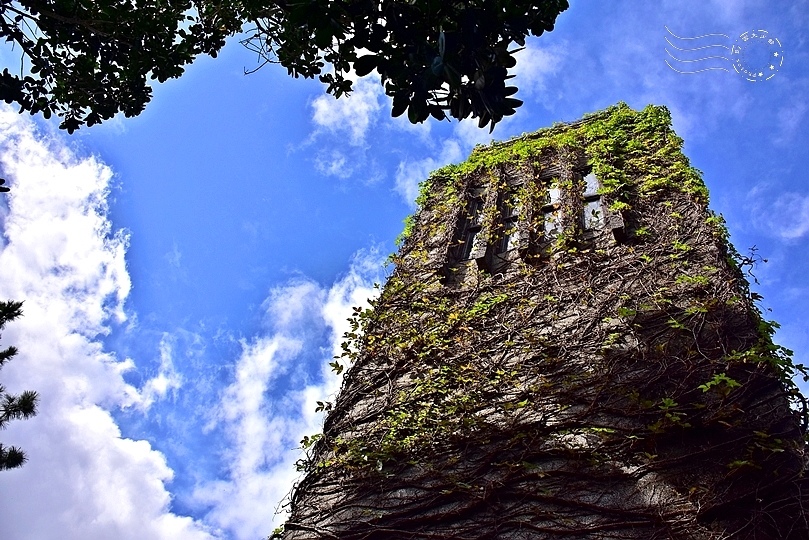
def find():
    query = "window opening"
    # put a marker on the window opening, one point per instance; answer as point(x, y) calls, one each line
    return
point(551, 212)
point(509, 217)
point(472, 226)
point(593, 217)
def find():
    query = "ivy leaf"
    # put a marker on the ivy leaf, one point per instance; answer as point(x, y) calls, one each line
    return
point(337, 367)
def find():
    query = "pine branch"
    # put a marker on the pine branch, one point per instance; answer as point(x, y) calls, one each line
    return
point(9, 310)
point(13, 407)
point(7, 355)
point(18, 407)
point(11, 458)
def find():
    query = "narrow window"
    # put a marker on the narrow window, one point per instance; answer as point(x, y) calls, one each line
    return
point(593, 217)
point(509, 218)
point(551, 212)
point(472, 226)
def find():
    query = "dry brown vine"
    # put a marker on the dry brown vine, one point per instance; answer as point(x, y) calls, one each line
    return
point(583, 387)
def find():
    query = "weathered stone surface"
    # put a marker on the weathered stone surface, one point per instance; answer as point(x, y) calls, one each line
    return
point(607, 378)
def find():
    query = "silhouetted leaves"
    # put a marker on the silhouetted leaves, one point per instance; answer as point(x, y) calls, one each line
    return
point(90, 60)
point(13, 407)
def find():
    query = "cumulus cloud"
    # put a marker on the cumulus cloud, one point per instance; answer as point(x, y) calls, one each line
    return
point(85, 479)
point(258, 435)
point(535, 65)
point(351, 115)
point(61, 257)
point(288, 308)
point(411, 173)
point(468, 132)
point(402, 123)
point(264, 421)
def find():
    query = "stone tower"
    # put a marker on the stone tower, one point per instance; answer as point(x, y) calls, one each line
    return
point(567, 348)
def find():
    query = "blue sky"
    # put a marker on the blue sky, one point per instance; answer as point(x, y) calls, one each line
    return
point(187, 273)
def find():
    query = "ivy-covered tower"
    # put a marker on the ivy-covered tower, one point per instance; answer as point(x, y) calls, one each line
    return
point(568, 348)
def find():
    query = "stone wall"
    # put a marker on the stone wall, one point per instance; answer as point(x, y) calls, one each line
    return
point(569, 375)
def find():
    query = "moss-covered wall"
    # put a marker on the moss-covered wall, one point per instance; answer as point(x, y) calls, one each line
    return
point(602, 386)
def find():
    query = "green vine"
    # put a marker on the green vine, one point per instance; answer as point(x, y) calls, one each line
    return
point(586, 367)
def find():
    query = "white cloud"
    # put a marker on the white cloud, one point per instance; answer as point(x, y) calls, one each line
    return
point(353, 290)
point(333, 163)
point(410, 174)
point(790, 118)
point(421, 130)
point(350, 115)
point(265, 423)
point(783, 215)
point(84, 480)
point(174, 257)
point(735, 13)
point(787, 216)
point(468, 132)
point(167, 378)
point(261, 432)
point(289, 307)
point(535, 64)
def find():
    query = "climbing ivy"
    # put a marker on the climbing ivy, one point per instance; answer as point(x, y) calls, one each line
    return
point(634, 368)
point(627, 150)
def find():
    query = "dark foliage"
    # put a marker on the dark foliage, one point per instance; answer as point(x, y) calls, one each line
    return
point(86, 61)
point(13, 407)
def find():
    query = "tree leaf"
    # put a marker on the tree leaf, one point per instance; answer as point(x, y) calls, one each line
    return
point(365, 64)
